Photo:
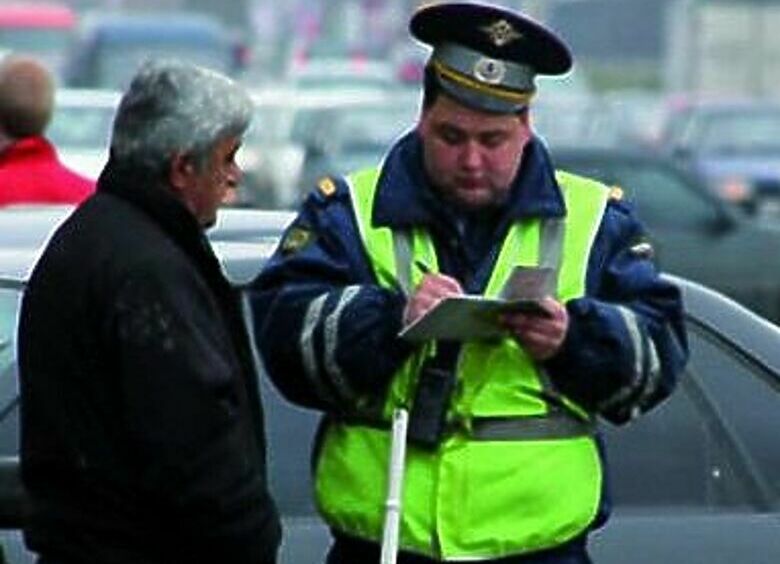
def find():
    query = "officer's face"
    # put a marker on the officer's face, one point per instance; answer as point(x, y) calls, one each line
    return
point(472, 157)
point(204, 189)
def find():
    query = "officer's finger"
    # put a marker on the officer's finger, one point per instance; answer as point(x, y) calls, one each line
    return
point(441, 285)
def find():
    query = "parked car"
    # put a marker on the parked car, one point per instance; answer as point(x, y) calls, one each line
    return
point(734, 145)
point(694, 233)
point(111, 46)
point(694, 482)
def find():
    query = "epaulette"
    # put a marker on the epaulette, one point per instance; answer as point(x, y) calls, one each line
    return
point(326, 186)
point(328, 189)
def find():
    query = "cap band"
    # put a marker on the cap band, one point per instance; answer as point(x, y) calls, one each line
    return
point(496, 72)
point(512, 96)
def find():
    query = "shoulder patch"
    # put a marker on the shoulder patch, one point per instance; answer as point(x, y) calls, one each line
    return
point(326, 186)
point(296, 238)
point(616, 193)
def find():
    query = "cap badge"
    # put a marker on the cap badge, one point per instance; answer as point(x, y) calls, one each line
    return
point(490, 71)
point(501, 33)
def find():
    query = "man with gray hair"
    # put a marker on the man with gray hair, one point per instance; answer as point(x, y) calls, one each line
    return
point(142, 430)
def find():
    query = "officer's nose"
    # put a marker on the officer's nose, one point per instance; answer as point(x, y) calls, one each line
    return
point(471, 156)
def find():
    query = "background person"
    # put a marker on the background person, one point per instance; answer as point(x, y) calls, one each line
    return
point(142, 435)
point(503, 463)
point(30, 170)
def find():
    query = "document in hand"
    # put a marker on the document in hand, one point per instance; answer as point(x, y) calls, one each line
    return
point(469, 317)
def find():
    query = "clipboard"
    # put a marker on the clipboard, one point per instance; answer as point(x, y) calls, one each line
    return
point(472, 317)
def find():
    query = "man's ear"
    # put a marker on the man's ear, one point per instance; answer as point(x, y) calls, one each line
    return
point(181, 170)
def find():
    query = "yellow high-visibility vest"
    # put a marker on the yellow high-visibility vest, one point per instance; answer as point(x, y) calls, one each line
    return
point(519, 471)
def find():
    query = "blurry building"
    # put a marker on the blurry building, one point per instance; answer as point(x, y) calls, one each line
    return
point(724, 48)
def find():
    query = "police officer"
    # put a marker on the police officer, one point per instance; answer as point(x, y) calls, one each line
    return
point(503, 463)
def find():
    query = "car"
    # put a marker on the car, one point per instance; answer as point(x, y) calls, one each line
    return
point(296, 130)
point(694, 481)
point(333, 62)
point(80, 127)
point(112, 45)
point(694, 233)
point(733, 144)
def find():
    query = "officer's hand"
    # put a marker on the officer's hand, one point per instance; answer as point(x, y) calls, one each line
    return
point(428, 293)
point(541, 336)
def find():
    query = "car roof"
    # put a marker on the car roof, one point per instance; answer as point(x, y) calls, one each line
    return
point(242, 239)
point(87, 97)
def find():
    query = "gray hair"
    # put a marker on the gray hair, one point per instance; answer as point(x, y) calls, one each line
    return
point(176, 107)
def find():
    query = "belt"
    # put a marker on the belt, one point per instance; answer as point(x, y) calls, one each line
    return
point(556, 424)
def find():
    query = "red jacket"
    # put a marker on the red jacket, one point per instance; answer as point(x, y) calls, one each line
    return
point(30, 171)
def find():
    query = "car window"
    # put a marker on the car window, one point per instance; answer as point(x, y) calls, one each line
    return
point(694, 452)
point(656, 190)
point(749, 401)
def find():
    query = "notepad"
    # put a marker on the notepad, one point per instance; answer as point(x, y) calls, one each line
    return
point(470, 317)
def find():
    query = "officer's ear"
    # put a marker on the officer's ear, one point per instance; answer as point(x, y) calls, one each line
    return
point(524, 116)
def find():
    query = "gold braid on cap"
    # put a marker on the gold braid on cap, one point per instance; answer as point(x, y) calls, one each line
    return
point(468, 82)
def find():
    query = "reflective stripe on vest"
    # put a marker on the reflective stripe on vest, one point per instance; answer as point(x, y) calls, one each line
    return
point(519, 470)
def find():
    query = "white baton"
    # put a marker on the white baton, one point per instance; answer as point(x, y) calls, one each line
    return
point(395, 472)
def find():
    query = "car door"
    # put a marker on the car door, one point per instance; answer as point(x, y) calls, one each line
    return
point(12, 548)
point(696, 480)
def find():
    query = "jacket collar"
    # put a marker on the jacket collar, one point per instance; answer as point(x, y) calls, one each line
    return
point(149, 194)
point(405, 197)
point(34, 148)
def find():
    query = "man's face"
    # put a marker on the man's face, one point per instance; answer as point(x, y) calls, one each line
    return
point(472, 157)
point(208, 187)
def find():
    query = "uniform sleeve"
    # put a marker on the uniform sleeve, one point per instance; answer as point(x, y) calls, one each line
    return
point(325, 328)
point(184, 409)
point(626, 345)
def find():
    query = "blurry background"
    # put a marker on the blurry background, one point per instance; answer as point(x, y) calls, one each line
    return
point(693, 81)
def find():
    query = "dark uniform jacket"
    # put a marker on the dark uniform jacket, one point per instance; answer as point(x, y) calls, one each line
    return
point(353, 348)
point(142, 429)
